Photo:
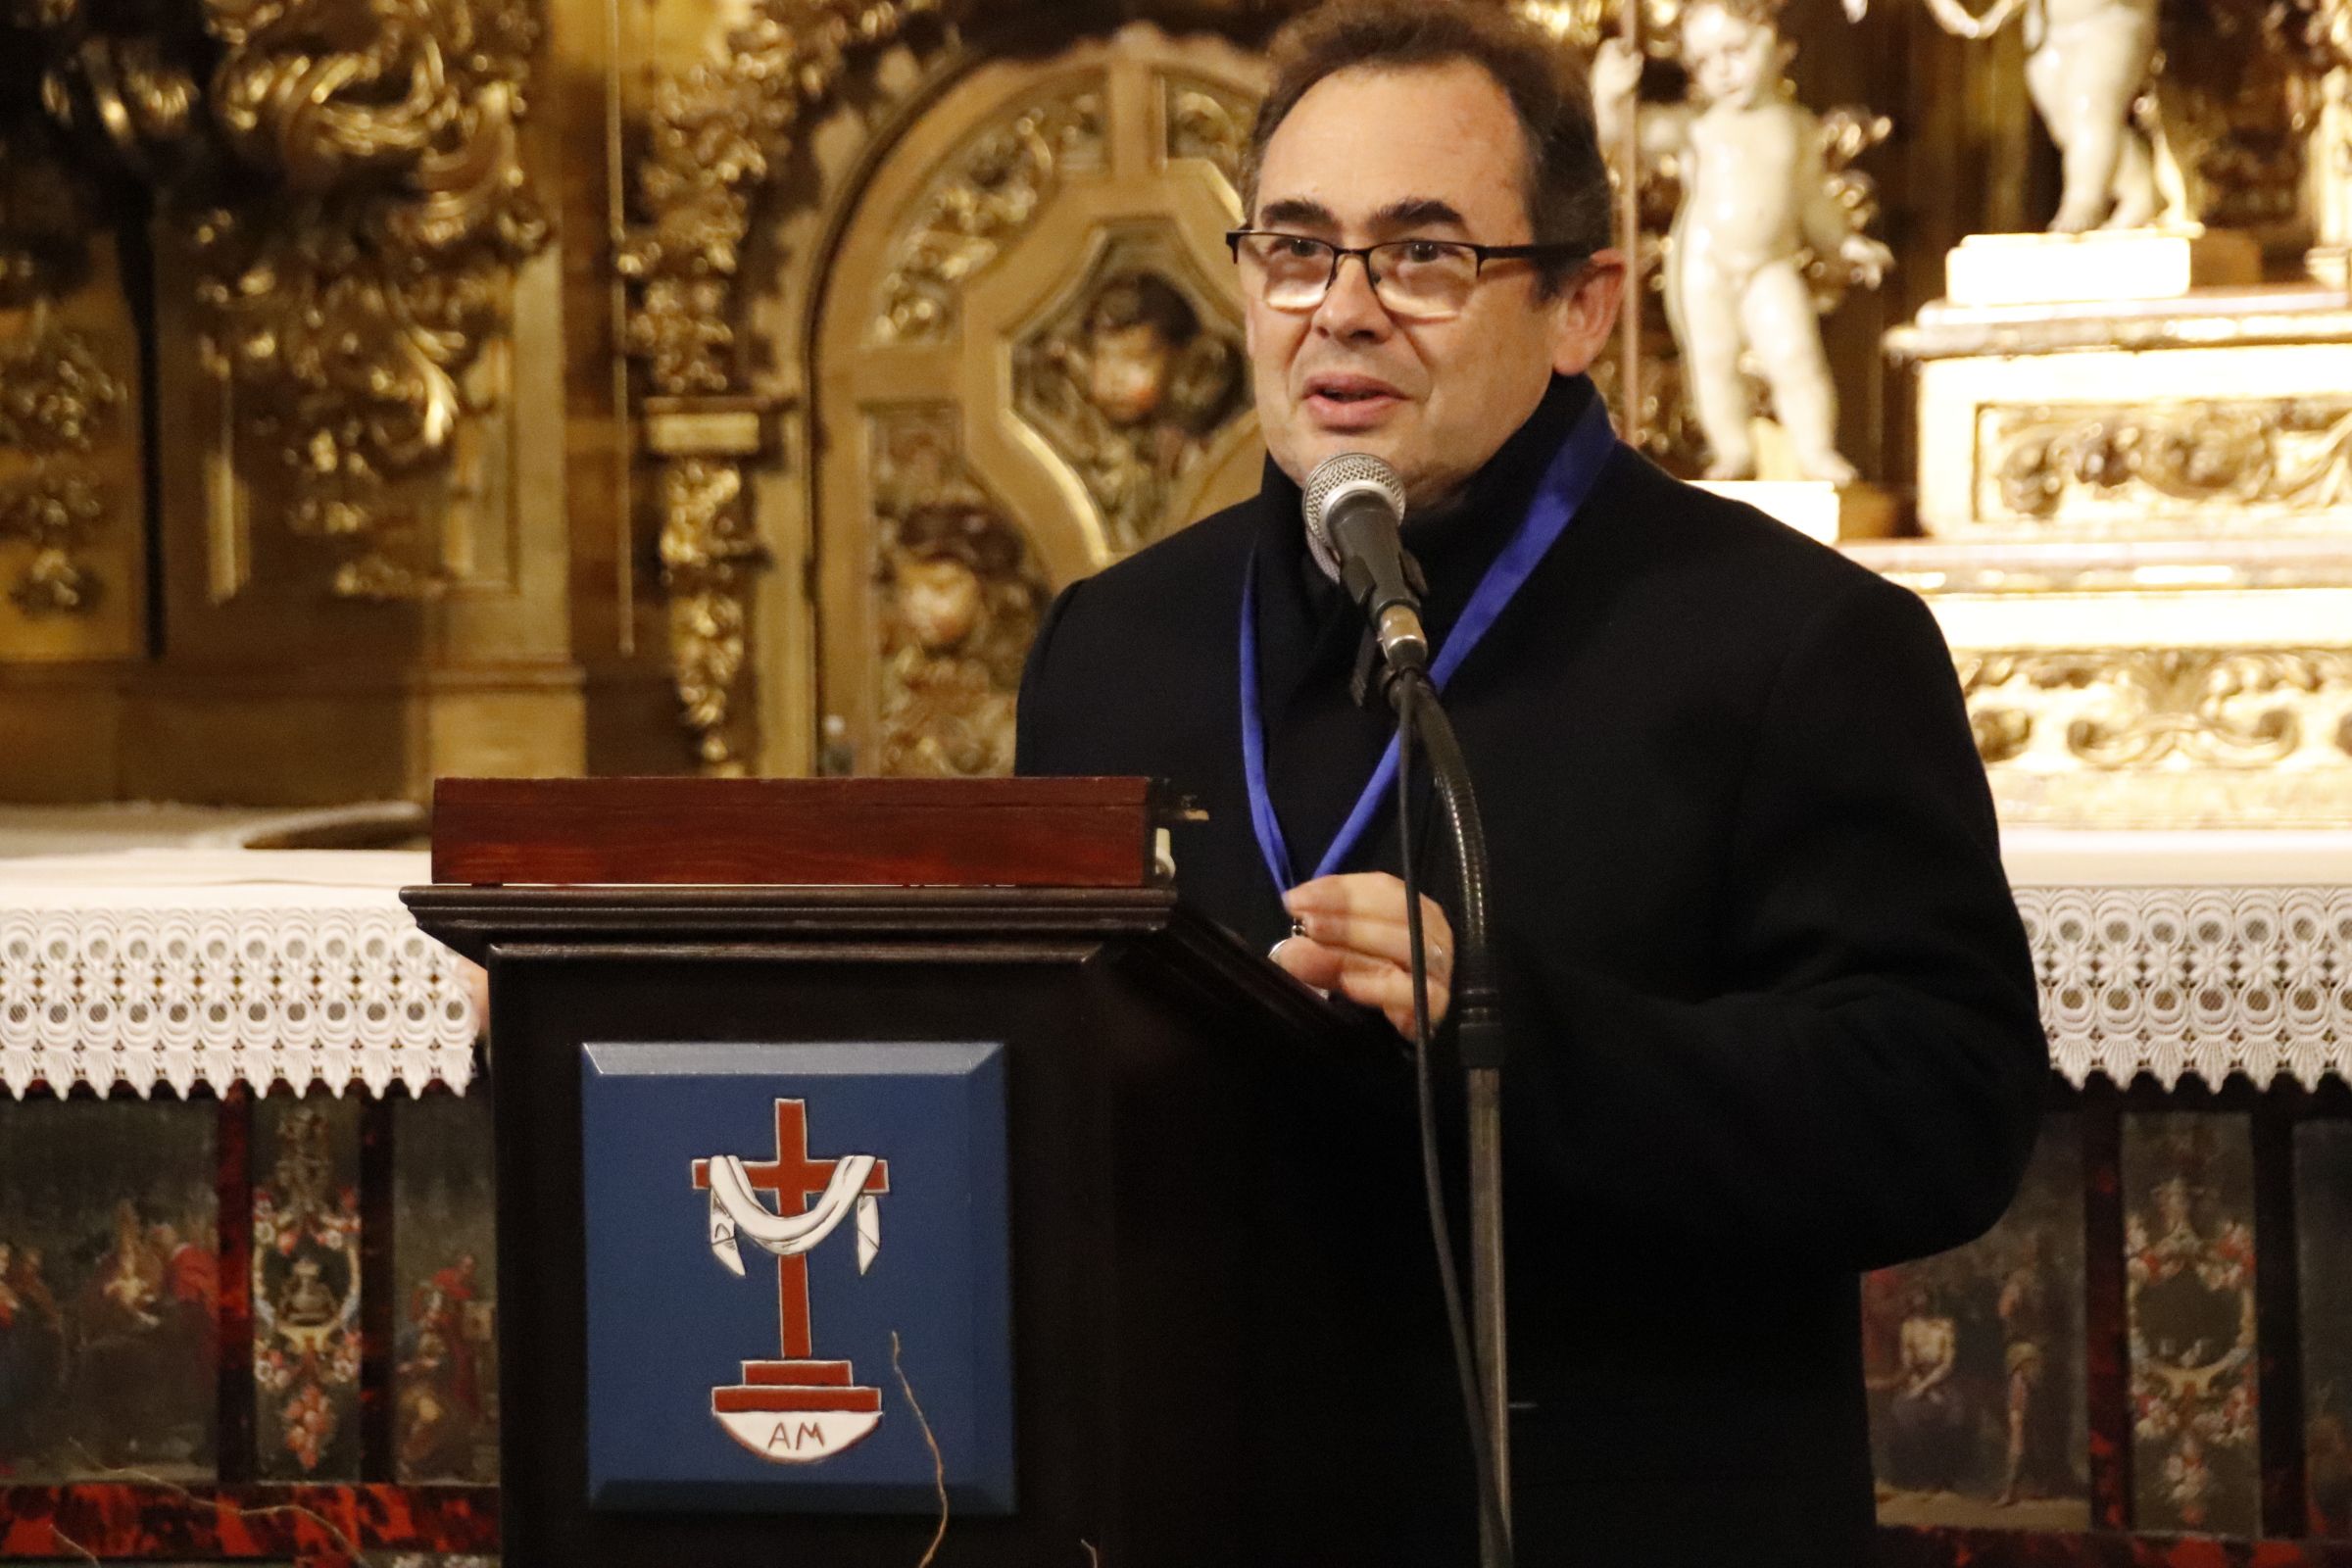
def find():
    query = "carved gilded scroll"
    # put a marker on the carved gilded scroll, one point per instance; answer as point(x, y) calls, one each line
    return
point(2137, 708)
point(1211, 122)
point(2201, 467)
point(980, 202)
point(346, 311)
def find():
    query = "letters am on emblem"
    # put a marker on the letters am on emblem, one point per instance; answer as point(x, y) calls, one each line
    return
point(742, 1304)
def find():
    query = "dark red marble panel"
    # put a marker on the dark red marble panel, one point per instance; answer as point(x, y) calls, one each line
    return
point(1994, 1548)
point(317, 1525)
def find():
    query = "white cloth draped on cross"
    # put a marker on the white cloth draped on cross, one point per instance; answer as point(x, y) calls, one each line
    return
point(736, 1213)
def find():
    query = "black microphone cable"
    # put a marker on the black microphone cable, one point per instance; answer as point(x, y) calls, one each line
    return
point(1409, 689)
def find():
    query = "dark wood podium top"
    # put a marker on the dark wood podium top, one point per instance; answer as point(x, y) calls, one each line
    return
point(823, 832)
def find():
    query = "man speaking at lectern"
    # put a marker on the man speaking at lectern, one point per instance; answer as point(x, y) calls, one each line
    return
point(1771, 1012)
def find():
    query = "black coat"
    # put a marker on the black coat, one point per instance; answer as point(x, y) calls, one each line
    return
point(1772, 1011)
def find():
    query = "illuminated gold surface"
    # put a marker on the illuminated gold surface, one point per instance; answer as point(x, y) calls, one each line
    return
point(2223, 416)
point(1815, 507)
point(2104, 265)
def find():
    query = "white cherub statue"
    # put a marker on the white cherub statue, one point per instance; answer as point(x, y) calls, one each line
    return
point(2085, 64)
point(1756, 198)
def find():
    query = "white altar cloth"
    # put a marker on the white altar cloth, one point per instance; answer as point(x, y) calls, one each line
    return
point(2178, 952)
point(2169, 954)
point(182, 966)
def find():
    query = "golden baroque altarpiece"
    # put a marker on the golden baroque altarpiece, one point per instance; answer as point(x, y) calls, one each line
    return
point(396, 387)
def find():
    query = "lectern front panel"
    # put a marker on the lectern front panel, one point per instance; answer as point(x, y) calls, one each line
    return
point(798, 1290)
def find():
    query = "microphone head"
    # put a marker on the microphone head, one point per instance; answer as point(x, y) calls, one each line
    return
point(1336, 479)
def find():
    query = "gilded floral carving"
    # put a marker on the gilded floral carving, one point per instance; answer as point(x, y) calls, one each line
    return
point(348, 317)
point(57, 398)
point(2236, 464)
point(2146, 707)
point(708, 555)
point(977, 204)
point(59, 394)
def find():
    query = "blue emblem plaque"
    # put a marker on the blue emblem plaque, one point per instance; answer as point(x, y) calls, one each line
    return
point(798, 1282)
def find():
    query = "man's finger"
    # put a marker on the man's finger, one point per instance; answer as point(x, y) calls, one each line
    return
point(1391, 992)
point(1388, 941)
point(1311, 961)
point(1361, 979)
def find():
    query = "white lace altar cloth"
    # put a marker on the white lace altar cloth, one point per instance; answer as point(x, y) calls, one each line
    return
point(2179, 953)
point(181, 966)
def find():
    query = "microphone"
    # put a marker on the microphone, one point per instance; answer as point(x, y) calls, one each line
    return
point(1354, 505)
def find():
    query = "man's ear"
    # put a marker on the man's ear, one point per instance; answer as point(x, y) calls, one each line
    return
point(1584, 313)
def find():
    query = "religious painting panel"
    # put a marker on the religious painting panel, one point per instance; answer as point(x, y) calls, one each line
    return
point(109, 1285)
point(306, 1289)
point(1974, 1363)
point(2188, 1270)
point(2323, 1217)
point(444, 1261)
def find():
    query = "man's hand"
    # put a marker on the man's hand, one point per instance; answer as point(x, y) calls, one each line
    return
point(1355, 945)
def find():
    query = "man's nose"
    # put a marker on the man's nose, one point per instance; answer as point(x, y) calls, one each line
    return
point(1350, 308)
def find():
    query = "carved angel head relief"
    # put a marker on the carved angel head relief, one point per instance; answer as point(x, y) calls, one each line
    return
point(1128, 381)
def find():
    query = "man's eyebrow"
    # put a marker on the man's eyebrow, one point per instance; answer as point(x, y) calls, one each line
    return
point(1297, 212)
point(1405, 212)
point(1418, 211)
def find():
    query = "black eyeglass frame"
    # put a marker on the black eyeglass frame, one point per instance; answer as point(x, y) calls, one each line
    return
point(1480, 254)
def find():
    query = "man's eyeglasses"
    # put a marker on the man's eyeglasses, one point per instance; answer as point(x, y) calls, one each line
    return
point(1414, 279)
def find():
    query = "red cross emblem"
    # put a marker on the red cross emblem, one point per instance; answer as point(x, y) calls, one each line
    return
point(797, 1409)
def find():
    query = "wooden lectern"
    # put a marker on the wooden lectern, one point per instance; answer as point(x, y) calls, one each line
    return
point(864, 1145)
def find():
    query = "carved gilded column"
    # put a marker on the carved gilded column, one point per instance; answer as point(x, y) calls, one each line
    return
point(718, 132)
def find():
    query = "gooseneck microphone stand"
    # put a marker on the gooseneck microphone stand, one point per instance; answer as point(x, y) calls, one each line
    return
point(1478, 1035)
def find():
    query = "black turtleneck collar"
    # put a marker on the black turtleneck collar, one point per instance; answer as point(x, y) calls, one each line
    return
point(1454, 542)
point(1320, 746)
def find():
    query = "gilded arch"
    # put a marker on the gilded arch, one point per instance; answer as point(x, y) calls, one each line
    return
point(783, 442)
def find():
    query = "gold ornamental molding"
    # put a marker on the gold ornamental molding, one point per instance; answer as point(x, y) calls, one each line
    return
point(2123, 736)
point(347, 179)
point(717, 133)
point(2146, 707)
